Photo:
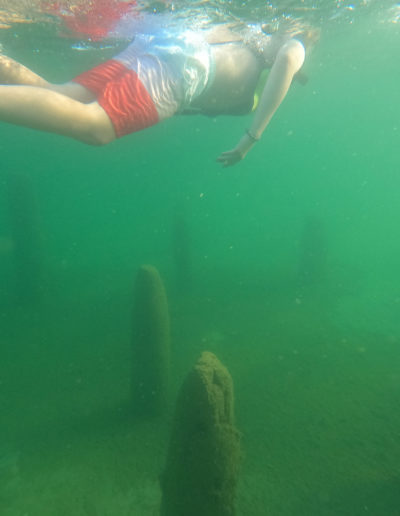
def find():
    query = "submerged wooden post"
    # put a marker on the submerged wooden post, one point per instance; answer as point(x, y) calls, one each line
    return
point(181, 247)
point(26, 236)
point(151, 342)
point(202, 465)
point(312, 259)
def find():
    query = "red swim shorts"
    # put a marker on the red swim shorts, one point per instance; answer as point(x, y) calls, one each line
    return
point(122, 95)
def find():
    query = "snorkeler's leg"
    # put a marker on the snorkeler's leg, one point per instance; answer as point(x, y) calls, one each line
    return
point(12, 72)
point(50, 111)
point(73, 90)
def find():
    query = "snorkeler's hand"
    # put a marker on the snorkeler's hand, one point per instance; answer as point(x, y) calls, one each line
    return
point(230, 158)
point(235, 155)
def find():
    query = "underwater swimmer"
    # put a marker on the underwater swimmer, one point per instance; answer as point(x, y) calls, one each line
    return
point(213, 72)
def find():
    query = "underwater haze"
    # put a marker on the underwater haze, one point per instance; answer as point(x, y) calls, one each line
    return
point(286, 266)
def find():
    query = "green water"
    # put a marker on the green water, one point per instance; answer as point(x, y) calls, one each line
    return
point(314, 357)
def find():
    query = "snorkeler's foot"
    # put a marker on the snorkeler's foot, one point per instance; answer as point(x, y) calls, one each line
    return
point(12, 72)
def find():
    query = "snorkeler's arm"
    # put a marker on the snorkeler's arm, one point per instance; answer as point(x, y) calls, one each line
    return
point(289, 60)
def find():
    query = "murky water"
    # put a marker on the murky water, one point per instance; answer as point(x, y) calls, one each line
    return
point(285, 266)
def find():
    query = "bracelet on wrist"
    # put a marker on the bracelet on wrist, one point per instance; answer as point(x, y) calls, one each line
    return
point(251, 136)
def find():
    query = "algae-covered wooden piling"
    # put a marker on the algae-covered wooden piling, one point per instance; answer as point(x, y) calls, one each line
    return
point(181, 247)
point(151, 343)
point(26, 236)
point(313, 252)
point(202, 464)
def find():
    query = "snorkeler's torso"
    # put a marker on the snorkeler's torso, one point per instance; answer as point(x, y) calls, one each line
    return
point(237, 71)
point(239, 60)
point(211, 72)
